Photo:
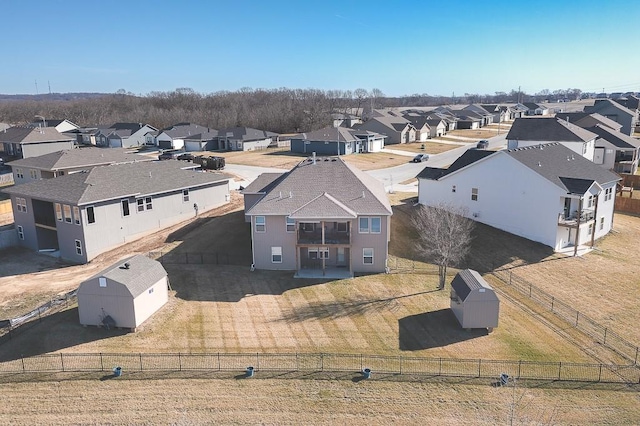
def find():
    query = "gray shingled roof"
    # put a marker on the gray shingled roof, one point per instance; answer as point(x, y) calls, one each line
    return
point(139, 277)
point(245, 133)
point(618, 139)
point(261, 183)
point(330, 186)
point(468, 157)
point(206, 136)
point(548, 130)
point(556, 162)
point(27, 135)
point(182, 130)
point(601, 104)
point(467, 281)
point(79, 157)
point(586, 120)
point(117, 181)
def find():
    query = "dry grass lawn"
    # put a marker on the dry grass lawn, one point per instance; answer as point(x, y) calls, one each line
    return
point(205, 399)
point(285, 159)
point(483, 133)
point(429, 147)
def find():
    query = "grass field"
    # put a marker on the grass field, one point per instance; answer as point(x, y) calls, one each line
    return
point(429, 147)
point(212, 399)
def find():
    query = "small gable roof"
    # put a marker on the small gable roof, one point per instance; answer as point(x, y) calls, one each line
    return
point(467, 281)
point(27, 135)
point(548, 130)
point(615, 138)
point(79, 157)
point(470, 156)
point(141, 274)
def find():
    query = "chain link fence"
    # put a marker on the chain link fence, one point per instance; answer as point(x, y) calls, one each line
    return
point(582, 322)
point(324, 362)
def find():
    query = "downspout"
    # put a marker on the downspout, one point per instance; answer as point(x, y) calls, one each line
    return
point(575, 247)
point(323, 246)
point(253, 248)
point(595, 220)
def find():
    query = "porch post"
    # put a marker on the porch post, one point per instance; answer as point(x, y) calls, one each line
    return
point(575, 247)
point(298, 266)
point(595, 219)
point(322, 225)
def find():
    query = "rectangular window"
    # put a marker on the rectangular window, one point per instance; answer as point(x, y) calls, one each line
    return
point(78, 247)
point(185, 195)
point(608, 193)
point(453, 188)
point(34, 174)
point(67, 213)
point(140, 203)
point(58, 211)
point(291, 224)
point(148, 203)
point(367, 256)
point(590, 229)
point(21, 204)
point(601, 223)
point(342, 227)
point(91, 216)
point(76, 215)
point(125, 207)
point(151, 290)
point(375, 225)
point(323, 252)
point(19, 174)
point(260, 224)
point(20, 232)
point(363, 225)
point(276, 254)
point(102, 281)
point(474, 194)
point(590, 202)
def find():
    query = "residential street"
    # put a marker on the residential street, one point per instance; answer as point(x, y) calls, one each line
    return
point(392, 177)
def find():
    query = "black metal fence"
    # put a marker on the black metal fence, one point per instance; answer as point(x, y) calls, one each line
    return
point(323, 362)
point(197, 258)
point(582, 322)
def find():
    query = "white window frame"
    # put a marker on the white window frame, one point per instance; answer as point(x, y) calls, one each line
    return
point(20, 232)
point(323, 252)
point(371, 221)
point(290, 224)
point(312, 250)
point(93, 210)
point(21, 204)
point(590, 201)
point(474, 194)
point(185, 195)
point(276, 254)
point(607, 194)
point(590, 229)
point(362, 230)
point(366, 255)
point(263, 224)
point(139, 205)
point(148, 203)
point(66, 212)
point(602, 223)
point(58, 210)
point(33, 174)
point(19, 174)
point(78, 247)
point(76, 214)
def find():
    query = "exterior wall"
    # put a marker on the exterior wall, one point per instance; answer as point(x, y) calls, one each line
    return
point(95, 302)
point(37, 149)
point(616, 115)
point(8, 237)
point(392, 135)
point(112, 229)
point(249, 201)
point(191, 146)
point(577, 147)
point(275, 235)
point(116, 143)
point(253, 145)
point(146, 304)
point(525, 204)
point(479, 310)
point(27, 221)
point(604, 154)
point(320, 147)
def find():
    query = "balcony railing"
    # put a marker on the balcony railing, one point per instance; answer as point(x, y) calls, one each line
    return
point(330, 237)
point(572, 220)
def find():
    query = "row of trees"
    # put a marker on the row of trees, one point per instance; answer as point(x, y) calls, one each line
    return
point(279, 110)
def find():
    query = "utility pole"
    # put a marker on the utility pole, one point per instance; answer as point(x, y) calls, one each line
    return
point(36, 87)
point(49, 83)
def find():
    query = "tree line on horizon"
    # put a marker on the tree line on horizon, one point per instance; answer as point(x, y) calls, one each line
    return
point(278, 110)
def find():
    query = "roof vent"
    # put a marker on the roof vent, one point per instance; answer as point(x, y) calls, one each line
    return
point(539, 164)
point(290, 194)
point(363, 195)
point(126, 265)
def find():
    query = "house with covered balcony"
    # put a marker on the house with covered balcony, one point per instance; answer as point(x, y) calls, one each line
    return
point(323, 218)
point(544, 193)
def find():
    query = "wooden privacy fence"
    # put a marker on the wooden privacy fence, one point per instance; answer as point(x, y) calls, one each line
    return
point(582, 322)
point(627, 205)
point(323, 362)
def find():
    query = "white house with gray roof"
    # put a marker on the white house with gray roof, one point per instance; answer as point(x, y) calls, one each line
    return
point(395, 129)
point(81, 215)
point(322, 218)
point(244, 139)
point(123, 295)
point(535, 131)
point(174, 137)
point(69, 161)
point(544, 193)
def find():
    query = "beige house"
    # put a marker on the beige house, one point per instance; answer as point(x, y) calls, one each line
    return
point(124, 295)
point(473, 301)
point(324, 218)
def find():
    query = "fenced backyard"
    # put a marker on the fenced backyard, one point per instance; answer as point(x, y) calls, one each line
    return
point(324, 362)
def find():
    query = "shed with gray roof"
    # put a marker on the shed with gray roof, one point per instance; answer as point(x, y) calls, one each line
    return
point(124, 295)
point(473, 301)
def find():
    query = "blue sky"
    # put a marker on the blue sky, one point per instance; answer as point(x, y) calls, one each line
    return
point(400, 47)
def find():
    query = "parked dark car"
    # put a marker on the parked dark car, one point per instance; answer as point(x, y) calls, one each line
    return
point(186, 157)
point(420, 158)
point(483, 144)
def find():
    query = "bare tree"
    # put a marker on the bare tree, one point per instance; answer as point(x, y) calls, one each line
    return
point(443, 235)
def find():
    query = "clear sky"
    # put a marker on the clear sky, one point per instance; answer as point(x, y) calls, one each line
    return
point(401, 47)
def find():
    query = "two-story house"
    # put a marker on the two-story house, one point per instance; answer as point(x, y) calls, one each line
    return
point(322, 218)
point(81, 215)
point(25, 142)
point(174, 137)
point(337, 141)
point(395, 129)
point(616, 112)
point(534, 131)
point(544, 193)
point(126, 135)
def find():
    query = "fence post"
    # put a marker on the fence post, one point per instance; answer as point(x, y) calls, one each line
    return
point(218, 361)
point(577, 314)
point(321, 362)
point(519, 367)
point(604, 339)
point(529, 290)
point(600, 373)
point(401, 364)
point(559, 369)
point(510, 274)
point(101, 363)
point(552, 300)
point(479, 363)
point(440, 368)
point(179, 361)
point(62, 361)
point(22, 359)
point(140, 355)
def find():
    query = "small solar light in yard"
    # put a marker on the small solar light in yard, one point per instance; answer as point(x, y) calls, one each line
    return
point(250, 371)
point(504, 379)
point(366, 373)
point(117, 371)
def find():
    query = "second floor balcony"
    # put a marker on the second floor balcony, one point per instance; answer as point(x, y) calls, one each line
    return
point(573, 218)
point(324, 233)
